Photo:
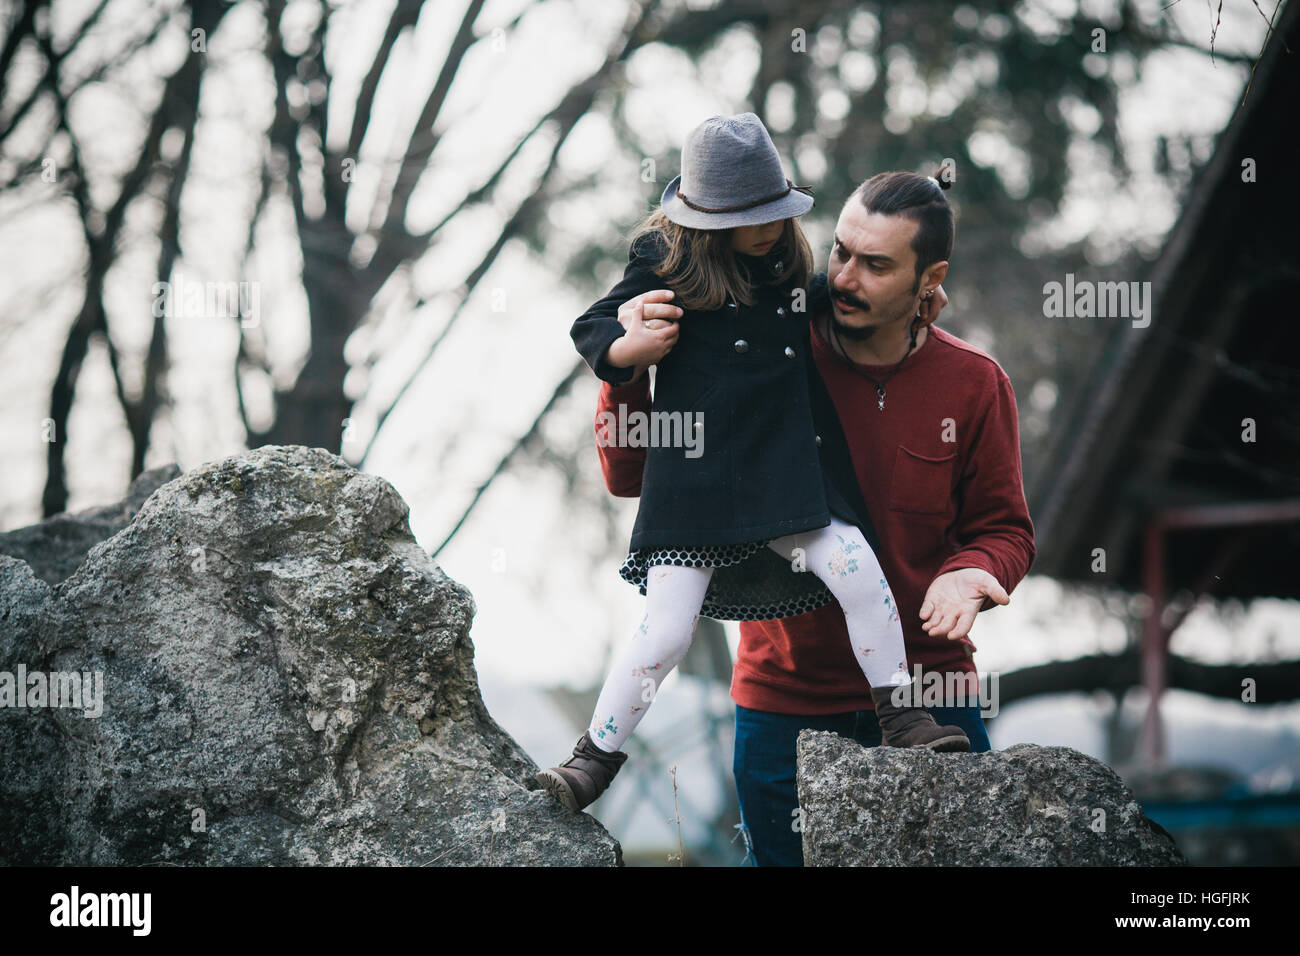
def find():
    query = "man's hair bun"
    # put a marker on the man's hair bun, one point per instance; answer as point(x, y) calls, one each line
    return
point(945, 176)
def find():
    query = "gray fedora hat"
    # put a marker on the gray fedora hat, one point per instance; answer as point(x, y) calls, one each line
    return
point(731, 176)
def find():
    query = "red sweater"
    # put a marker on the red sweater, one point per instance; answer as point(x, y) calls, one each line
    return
point(940, 473)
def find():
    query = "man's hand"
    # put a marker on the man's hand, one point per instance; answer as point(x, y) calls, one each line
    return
point(653, 311)
point(954, 599)
point(652, 305)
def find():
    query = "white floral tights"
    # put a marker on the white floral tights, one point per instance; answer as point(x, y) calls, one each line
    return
point(838, 554)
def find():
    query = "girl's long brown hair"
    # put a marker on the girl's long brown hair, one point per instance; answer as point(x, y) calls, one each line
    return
point(702, 268)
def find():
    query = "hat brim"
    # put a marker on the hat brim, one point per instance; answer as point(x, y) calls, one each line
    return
point(793, 203)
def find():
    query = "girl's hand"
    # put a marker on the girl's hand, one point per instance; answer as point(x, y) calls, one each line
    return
point(640, 346)
point(652, 324)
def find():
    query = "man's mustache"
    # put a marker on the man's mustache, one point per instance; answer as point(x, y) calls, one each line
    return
point(851, 300)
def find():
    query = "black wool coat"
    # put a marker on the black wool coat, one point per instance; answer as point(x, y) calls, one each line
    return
point(772, 459)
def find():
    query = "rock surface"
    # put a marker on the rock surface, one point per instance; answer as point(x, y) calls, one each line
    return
point(1023, 806)
point(57, 546)
point(288, 678)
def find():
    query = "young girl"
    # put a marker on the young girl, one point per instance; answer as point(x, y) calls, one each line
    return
point(737, 519)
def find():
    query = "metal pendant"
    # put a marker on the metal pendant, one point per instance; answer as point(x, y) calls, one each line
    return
point(880, 397)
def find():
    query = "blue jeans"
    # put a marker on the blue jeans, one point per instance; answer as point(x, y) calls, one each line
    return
point(764, 765)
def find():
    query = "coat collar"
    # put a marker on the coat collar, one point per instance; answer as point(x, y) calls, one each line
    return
point(761, 268)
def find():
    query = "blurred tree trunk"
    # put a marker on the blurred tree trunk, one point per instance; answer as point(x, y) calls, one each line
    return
point(339, 290)
point(1015, 80)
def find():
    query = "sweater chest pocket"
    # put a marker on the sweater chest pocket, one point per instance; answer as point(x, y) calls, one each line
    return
point(921, 485)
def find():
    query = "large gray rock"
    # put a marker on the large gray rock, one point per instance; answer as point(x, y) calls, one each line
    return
point(288, 679)
point(32, 753)
point(58, 545)
point(1023, 806)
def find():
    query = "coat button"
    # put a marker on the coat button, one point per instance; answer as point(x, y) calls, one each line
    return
point(741, 346)
point(789, 352)
point(780, 310)
point(819, 439)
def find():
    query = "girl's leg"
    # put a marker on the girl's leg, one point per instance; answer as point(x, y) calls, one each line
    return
point(842, 558)
point(674, 595)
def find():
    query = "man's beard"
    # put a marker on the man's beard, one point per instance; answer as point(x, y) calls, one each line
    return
point(854, 332)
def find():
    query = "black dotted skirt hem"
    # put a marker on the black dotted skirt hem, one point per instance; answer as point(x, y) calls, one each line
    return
point(750, 582)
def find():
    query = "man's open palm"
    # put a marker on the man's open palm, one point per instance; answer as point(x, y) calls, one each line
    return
point(954, 599)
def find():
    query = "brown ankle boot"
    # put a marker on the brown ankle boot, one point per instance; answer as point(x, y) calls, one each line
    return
point(913, 726)
point(583, 777)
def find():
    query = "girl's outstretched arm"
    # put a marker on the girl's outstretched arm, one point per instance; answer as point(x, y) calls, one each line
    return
point(599, 327)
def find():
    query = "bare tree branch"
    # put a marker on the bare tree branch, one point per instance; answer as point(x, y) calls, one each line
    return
point(405, 14)
point(242, 354)
point(94, 76)
point(102, 242)
point(572, 108)
point(154, 391)
point(395, 244)
point(24, 27)
point(1254, 66)
point(520, 444)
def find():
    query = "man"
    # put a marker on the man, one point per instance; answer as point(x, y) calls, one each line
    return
point(933, 444)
